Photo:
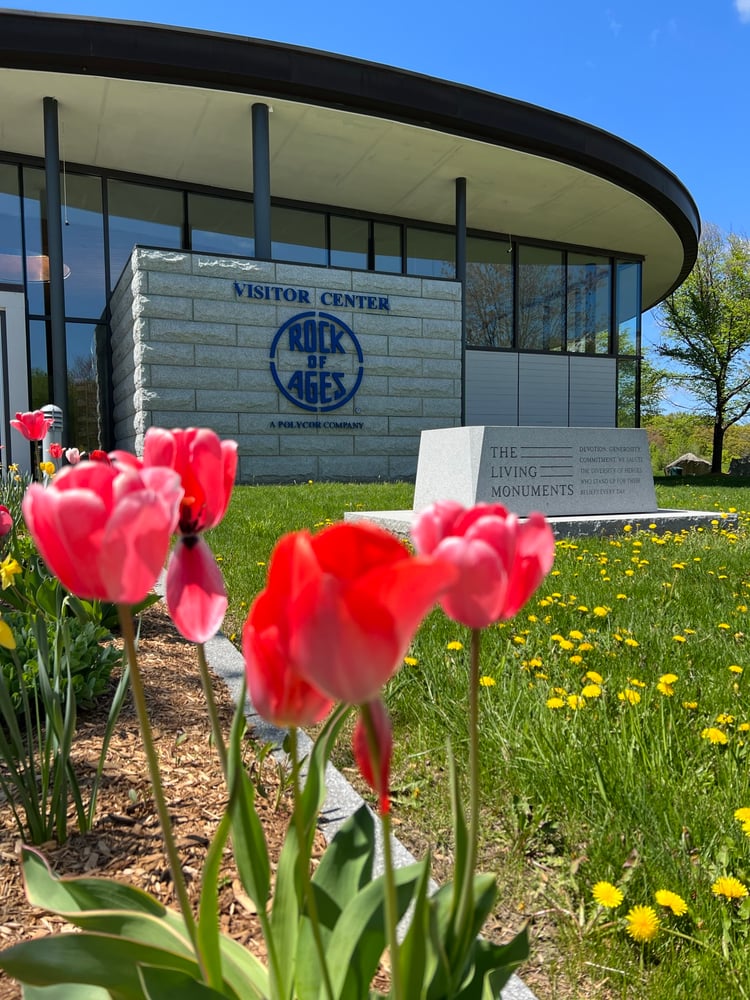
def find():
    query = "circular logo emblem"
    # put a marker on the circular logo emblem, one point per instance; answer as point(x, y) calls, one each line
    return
point(316, 361)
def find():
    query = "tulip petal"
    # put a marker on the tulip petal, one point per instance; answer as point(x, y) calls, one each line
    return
point(196, 596)
point(479, 598)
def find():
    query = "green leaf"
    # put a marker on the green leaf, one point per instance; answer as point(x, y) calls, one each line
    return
point(359, 938)
point(208, 910)
point(415, 964)
point(65, 991)
point(165, 984)
point(248, 838)
point(460, 834)
point(243, 971)
point(94, 959)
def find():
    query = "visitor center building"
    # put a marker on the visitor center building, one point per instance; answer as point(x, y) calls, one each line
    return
point(317, 256)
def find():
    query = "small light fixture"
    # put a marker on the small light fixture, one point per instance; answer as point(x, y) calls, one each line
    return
point(510, 245)
point(37, 268)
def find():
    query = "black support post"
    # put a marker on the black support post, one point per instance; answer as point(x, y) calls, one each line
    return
point(261, 181)
point(58, 361)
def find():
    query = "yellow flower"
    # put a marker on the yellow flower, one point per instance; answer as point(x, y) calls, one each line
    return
point(742, 814)
point(631, 642)
point(636, 683)
point(664, 897)
point(606, 894)
point(9, 568)
point(690, 704)
point(487, 682)
point(714, 735)
point(736, 669)
point(632, 697)
point(679, 638)
point(730, 887)
point(600, 611)
point(576, 659)
point(642, 923)
point(575, 634)
point(723, 625)
point(591, 691)
point(724, 719)
point(48, 468)
point(575, 701)
point(455, 644)
point(669, 678)
point(593, 676)
point(666, 689)
point(6, 636)
point(555, 703)
point(411, 661)
point(566, 644)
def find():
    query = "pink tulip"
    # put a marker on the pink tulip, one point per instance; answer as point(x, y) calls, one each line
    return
point(6, 521)
point(340, 608)
point(196, 596)
point(33, 425)
point(500, 559)
point(104, 531)
point(73, 456)
point(380, 782)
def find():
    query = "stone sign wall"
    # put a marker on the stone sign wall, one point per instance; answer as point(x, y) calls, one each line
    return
point(555, 470)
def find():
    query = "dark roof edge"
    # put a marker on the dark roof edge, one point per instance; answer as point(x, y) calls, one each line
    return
point(189, 57)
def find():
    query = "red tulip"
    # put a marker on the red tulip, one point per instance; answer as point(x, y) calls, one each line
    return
point(55, 450)
point(196, 596)
point(340, 608)
point(33, 425)
point(383, 736)
point(97, 455)
point(105, 531)
point(6, 521)
point(500, 560)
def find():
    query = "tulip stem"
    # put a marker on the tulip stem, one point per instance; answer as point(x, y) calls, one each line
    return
point(213, 714)
point(391, 905)
point(466, 904)
point(304, 865)
point(139, 698)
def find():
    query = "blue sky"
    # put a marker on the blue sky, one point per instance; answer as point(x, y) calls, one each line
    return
point(672, 78)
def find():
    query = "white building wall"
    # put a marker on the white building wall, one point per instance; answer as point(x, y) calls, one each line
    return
point(187, 351)
point(491, 388)
point(543, 390)
point(593, 392)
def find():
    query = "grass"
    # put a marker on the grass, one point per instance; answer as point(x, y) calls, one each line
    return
point(598, 765)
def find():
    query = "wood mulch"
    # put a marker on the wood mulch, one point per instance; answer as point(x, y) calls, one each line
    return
point(125, 842)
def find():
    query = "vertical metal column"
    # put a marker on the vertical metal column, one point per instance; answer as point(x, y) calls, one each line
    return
point(55, 253)
point(261, 181)
point(461, 276)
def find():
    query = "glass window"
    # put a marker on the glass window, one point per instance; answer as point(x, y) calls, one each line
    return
point(11, 257)
point(83, 246)
point(82, 430)
point(626, 392)
point(221, 225)
point(628, 306)
point(589, 303)
point(430, 254)
point(541, 284)
point(489, 293)
point(349, 238)
point(298, 236)
point(386, 238)
point(35, 232)
point(41, 391)
point(138, 214)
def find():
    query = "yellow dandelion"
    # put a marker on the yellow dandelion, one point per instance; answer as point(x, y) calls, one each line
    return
point(411, 661)
point(735, 668)
point(585, 647)
point(714, 735)
point(630, 696)
point(642, 923)
point(455, 644)
point(594, 677)
point(666, 689)
point(669, 678)
point(535, 662)
point(723, 625)
point(729, 886)
point(575, 634)
point(690, 705)
point(634, 682)
point(519, 640)
point(591, 691)
point(628, 527)
point(566, 644)
point(724, 719)
point(679, 638)
point(744, 727)
point(600, 611)
point(607, 895)
point(487, 682)
point(622, 597)
point(665, 897)
point(555, 703)
point(576, 659)
point(575, 701)
point(581, 607)
point(633, 643)
point(742, 814)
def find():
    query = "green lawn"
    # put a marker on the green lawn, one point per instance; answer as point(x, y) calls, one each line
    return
point(615, 733)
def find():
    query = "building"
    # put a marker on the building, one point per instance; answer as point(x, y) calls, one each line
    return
point(316, 255)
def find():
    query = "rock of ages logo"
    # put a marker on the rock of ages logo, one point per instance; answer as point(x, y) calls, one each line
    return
point(316, 361)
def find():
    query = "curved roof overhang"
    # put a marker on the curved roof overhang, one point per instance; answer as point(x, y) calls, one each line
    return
point(174, 103)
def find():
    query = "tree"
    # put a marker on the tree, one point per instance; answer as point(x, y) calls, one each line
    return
point(706, 330)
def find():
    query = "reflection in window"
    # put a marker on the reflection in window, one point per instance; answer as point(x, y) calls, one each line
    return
point(11, 256)
point(628, 306)
point(349, 239)
point(489, 293)
point(386, 239)
point(41, 385)
point(541, 284)
point(298, 236)
point(138, 214)
point(83, 247)
point(589, 303)
point(221, 225)
point(626, 392)
point(83, 349)
point(430, 254)
point(35, 233)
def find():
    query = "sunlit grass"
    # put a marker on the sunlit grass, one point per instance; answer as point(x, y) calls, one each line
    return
point(615, 733)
